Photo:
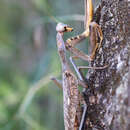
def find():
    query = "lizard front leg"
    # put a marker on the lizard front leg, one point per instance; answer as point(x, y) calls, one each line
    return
point(92, 29)
point(96, 37)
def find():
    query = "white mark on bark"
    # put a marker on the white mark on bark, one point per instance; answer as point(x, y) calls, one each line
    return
point(120, 63)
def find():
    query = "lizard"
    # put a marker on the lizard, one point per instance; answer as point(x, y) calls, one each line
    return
point(93, 30)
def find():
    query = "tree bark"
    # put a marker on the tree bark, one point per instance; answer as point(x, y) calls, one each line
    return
point(108, 95)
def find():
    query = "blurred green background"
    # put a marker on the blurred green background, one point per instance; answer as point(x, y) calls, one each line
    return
point(28, 58)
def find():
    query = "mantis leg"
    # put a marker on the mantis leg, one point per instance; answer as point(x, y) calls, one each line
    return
point(57, 82)
point(81, 127)
point(80, 75)
point(89, 67)
point(78, 53)
point(79, 68)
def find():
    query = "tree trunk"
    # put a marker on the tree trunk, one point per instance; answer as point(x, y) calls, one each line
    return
point(108, 96)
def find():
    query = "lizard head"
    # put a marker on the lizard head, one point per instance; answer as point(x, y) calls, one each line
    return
point(61, 27)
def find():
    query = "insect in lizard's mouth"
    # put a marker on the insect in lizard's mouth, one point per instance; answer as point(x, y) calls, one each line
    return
point(68, 29)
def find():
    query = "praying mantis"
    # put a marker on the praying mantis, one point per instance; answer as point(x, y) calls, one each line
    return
point(72, 109)
point(73, 115)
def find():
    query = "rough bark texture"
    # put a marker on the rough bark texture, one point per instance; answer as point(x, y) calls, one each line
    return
point(107, 97)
